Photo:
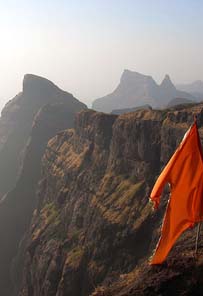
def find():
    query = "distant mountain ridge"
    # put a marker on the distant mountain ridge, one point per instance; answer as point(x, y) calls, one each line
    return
point(195, 88)
point(179, 101)
point(128, 110)
point(136, 90)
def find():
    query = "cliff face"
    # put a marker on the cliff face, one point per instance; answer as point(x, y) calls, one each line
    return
point(16, 123)
point(93, 220)
point(30, 120)
point(181, 274)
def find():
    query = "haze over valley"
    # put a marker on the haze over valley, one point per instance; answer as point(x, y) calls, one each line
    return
point(84, 47)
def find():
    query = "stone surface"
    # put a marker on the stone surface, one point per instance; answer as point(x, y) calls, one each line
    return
point(94, 222)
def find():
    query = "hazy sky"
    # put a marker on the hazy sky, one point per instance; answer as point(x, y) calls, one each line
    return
point(83, 46)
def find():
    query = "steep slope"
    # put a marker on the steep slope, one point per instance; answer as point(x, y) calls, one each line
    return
point(182, 272)
point(16, 123)
point(168, 92)
point(17, 205)
point(136, 90)
point(87, 196)
point(180, 275)
point(94, 221)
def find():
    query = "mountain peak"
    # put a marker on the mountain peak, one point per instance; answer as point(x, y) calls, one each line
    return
point(167, 83)
point(129, 75)
point(136, 90)
point(167, 79)
point(33, 83)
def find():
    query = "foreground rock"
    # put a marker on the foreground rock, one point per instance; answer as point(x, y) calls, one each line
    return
point(94, 222)
point(181, 274)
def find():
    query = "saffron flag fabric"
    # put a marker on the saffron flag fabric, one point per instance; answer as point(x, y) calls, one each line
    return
point(184, 173)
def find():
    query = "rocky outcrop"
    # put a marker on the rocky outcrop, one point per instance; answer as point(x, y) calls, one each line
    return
point(136, 90)
point(181, 274)
point(27, 123)
point(16, 123)
point(94, 221)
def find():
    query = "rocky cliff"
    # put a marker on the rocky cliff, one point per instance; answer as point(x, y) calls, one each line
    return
point(16, 123)
point(93, 221)
point(136, 90)
point(26, 125)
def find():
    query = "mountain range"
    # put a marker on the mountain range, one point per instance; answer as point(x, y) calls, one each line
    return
point(136, 90)
point(195, 88)
point(75, 217)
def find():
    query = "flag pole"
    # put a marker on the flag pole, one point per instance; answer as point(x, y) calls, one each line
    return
point(197, 237)
point(200, 223)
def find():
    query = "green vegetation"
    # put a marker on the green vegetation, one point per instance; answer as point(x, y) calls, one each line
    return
point(51, 212)
point(120, 203)
point(74, 257)
point(48, 214)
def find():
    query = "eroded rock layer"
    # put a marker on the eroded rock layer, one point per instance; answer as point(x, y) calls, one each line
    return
point(93, 221)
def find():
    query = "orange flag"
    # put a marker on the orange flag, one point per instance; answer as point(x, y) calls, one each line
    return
point(184, 173)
